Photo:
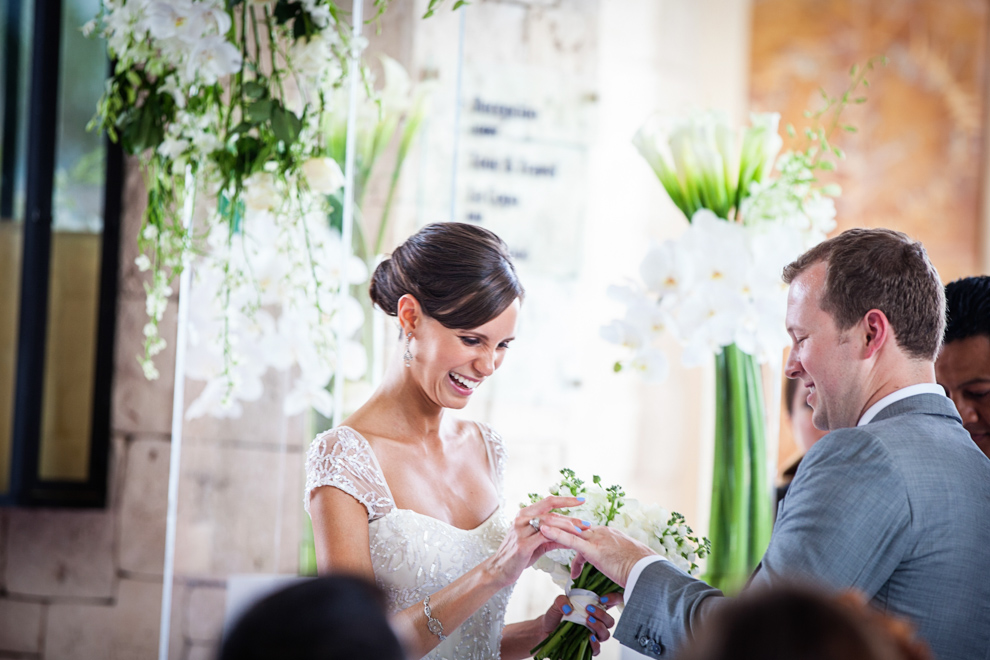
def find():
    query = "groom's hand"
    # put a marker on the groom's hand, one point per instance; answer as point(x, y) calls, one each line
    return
point(609, 550)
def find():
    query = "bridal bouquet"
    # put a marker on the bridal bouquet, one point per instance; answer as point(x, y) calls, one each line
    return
point(664, 532)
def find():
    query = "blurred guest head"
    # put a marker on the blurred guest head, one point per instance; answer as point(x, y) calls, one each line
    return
point(864, 309)
point(795, 623)
point(799, 411)
point(963, 366)
point(327, 618)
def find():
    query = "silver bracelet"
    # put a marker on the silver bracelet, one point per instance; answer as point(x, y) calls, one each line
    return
point(432, 623)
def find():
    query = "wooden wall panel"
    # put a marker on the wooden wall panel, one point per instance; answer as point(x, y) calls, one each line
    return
point(916, 164)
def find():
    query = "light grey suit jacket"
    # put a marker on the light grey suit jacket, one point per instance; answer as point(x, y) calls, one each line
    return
point(898, 509)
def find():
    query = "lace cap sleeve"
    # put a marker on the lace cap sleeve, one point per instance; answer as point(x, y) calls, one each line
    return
point(496, 455)
point(343, 459)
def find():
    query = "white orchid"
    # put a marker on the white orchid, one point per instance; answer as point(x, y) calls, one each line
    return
point(323, 175)
point(266, 316)
point(719, 283)
point(667, 270)
point(212, 58)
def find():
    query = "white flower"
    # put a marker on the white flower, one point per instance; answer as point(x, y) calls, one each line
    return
point(142, 262)
point(173, 148)
point(560, 573)
point(311, 58)
point(319, 12)
point(323, 175)
point(624, 334)
point(260, 192)
point(148, 367)
point(651, 319)
point(668, 269)
point(175, 19)
point(652, 363)
point(309, 392)
point(212, 58)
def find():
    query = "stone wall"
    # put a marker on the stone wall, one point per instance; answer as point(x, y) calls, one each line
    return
point(88, 584)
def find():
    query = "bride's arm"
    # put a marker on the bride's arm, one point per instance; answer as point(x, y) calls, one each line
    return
point(340, 532)
point(519, 638)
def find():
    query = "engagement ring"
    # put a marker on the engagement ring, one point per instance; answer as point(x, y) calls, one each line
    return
point(534, 523)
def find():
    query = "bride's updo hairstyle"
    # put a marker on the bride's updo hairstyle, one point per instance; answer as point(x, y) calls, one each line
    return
point(461, 275)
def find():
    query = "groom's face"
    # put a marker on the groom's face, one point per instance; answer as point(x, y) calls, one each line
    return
point(822, 356)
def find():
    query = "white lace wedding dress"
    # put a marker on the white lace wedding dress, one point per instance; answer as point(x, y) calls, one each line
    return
point(414, 555)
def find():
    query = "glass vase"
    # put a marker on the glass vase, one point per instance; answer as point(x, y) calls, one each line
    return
point(741, 515)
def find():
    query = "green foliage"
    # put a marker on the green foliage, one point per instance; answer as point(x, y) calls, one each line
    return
point(435, 4)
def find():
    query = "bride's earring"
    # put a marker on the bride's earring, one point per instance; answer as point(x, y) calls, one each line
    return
point(407, 356)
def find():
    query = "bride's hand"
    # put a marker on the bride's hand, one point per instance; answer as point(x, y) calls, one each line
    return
point(599, 621)
point(524, 544)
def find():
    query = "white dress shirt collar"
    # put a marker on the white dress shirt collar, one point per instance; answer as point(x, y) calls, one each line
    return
point(903, 393)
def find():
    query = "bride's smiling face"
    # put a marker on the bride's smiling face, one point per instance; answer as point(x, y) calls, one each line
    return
point(449, 364)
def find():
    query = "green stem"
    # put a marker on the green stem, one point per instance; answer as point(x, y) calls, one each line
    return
point(760, 519)
point(257, 41)
point(739, 541)
point(740, 514)
point(718, 533)
point(273, 49)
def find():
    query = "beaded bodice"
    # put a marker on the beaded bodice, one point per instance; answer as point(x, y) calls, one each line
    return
point(414, 555)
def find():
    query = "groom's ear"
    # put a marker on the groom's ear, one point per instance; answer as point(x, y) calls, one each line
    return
point(876, 331)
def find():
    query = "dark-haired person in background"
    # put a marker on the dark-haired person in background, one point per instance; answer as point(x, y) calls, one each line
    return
point(329, 618)
point(411, 497)
point(798, 623)
point(963, 366)
point(799, 412)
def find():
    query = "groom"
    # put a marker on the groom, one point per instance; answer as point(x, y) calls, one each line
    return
point(894, 502)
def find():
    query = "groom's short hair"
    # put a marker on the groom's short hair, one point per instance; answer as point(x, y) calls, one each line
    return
point(886, 270)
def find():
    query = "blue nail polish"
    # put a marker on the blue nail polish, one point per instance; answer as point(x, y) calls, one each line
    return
point(590, 608)
point(580, 499)
point(594, 639)
point(566, 609)
point(591, 619)
point(579, 530)
point(586, 523)
point(604, 599)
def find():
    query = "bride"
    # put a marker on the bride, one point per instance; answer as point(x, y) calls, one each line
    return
point(412, 498)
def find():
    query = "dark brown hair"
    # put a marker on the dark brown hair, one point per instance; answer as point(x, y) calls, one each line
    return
point(886, 270)
point(461, 275)
point(801, 623)
point(334, 617)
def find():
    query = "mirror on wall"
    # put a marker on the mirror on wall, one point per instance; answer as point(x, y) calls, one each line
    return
point(59, 220)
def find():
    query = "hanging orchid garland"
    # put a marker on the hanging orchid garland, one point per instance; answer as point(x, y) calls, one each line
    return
point(232, 100)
